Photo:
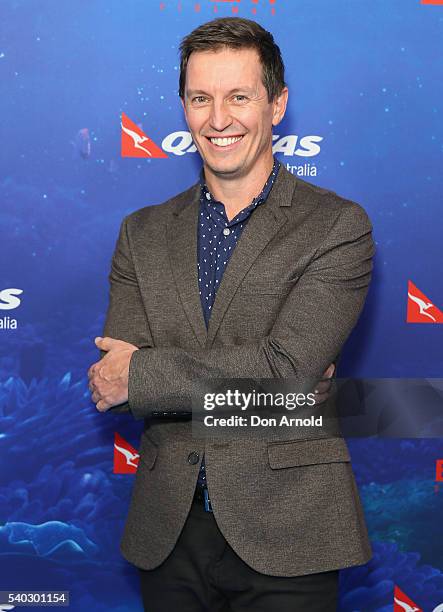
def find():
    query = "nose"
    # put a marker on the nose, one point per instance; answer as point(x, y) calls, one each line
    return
point(219, 118)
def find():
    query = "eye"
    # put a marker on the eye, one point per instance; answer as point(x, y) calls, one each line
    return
point(240, 98)
point(199, 99)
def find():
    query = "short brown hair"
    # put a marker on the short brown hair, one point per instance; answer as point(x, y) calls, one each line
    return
point(236, 33)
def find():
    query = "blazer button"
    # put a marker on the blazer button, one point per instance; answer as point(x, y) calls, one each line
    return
point(193, 458)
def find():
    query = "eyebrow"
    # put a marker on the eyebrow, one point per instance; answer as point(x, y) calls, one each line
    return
point(199, 92)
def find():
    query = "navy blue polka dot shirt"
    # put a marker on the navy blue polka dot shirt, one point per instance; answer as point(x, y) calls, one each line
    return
point(216, 242)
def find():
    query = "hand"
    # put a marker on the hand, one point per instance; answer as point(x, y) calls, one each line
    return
point(323, 386)
point(108, 378)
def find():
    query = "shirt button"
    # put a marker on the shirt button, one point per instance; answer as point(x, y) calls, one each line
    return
point(208, 196)
point(193, 458)
point(226, 231)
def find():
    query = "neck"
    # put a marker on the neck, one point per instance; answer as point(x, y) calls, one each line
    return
point(238, 192)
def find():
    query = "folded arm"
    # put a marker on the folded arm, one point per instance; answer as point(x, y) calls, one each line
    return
point(126, 318)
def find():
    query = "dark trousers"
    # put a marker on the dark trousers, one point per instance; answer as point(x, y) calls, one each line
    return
point(204, 574)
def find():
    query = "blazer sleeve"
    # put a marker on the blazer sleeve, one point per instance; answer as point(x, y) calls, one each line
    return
point(126, 317)
point(313, 324)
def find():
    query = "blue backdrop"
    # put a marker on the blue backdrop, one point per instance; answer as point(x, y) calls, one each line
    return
point(365, 80)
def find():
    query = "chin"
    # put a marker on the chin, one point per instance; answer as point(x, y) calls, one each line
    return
point(224, 168)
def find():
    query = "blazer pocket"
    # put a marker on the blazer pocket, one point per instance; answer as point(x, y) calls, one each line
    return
point(268, 287)
point(307, 452)
point(148, 451)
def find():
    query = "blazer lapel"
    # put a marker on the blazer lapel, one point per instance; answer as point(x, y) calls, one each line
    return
point(182, 246)
point(264, 223)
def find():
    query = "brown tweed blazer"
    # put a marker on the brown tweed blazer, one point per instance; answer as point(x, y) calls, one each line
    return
point(289, 297)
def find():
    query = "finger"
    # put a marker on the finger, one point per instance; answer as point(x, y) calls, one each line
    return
point(102, 406)
point(104, 344)
point(328, 373)
point(324, 383)
point(95, 379)
point(91, 370)
point(107, 344)
point(99, 374)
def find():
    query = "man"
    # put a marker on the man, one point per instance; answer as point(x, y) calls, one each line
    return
point(228, 525)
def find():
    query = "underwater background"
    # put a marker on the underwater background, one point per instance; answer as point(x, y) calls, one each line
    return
point(365, 79)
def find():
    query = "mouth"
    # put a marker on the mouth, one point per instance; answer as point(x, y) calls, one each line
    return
point(225, 142)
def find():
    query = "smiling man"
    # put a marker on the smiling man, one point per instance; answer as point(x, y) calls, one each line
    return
point(250, 273)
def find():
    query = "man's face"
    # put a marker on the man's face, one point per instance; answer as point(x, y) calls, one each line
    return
point(227, 110)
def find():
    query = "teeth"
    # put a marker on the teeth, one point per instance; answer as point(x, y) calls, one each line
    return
point(224, 142)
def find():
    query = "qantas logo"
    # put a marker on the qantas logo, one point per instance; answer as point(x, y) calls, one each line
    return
point(181, 142)
point(435, 2)
point(402, 603)
point(125, 456)
point(420, 308)
point(135, 143)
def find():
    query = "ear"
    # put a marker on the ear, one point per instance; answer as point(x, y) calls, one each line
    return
point(280, 103)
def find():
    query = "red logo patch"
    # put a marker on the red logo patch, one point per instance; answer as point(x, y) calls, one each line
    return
point(420, 307)
point(135, 143)
point(402, 603)
point(125, 456)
